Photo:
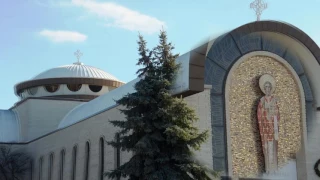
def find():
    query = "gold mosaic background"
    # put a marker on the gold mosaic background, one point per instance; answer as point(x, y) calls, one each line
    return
point(244, 95)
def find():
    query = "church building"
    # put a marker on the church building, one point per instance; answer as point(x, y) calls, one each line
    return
point(256, 88)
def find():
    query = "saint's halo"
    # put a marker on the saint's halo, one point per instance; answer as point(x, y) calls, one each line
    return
point(267, 78)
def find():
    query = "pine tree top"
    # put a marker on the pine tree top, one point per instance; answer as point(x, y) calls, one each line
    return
point(158, 128)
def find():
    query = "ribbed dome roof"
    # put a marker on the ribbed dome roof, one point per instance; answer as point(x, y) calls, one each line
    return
point(78, 70)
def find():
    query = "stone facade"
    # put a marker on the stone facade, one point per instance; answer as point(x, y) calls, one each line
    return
point(201, 104)
point(313, 147)
point(226, 109)
point(41, 116)
point(47, 150)
point(90, 130)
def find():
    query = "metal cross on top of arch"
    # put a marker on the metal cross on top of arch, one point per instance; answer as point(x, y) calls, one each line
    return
point(258, 6)
point(78, 54)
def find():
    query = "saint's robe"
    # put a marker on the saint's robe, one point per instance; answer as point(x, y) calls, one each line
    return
point(268, 120)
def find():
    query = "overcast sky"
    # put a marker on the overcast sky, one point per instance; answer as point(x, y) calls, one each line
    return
point(36, 35)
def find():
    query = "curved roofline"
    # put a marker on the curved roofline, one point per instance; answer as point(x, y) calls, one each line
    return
point(75, 70)
point(41, 82)
point(279, 27)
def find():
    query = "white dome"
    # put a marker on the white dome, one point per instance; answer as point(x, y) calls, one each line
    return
point(76, 70)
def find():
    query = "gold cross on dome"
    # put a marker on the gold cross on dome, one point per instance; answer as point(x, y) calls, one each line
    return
point(258, 6)
point(78, 54)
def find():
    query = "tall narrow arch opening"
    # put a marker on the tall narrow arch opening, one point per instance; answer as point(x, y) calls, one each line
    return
point(31, 169)
point(117, 151)
point(101, 158)
point(87, 161)
point(50, 170)
point(74, 163)
point(40, 168)
point(62, 164)
point(118, 155)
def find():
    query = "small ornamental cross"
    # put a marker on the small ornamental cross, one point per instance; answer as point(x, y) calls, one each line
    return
point(258, 6)
point(78, 54)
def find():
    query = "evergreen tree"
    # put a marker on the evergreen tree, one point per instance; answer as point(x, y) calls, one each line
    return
point(158, 128)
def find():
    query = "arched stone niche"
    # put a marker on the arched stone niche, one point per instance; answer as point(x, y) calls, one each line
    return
point(224, 51)
point(242, 93)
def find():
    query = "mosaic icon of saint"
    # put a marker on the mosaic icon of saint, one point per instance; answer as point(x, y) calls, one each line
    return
point(268, 120)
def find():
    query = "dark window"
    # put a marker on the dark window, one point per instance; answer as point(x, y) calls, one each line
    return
point(95, 88)
point(52, 88)
point(118, 150)
point(22, 94)
point(50, 166)
point(74, 87)
point(40, 168)
point(101, 158)
point(118, 153)
point(74, 163)
point(33, 91)
point(31, 170)
point(87, 161)
point(62, 156)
